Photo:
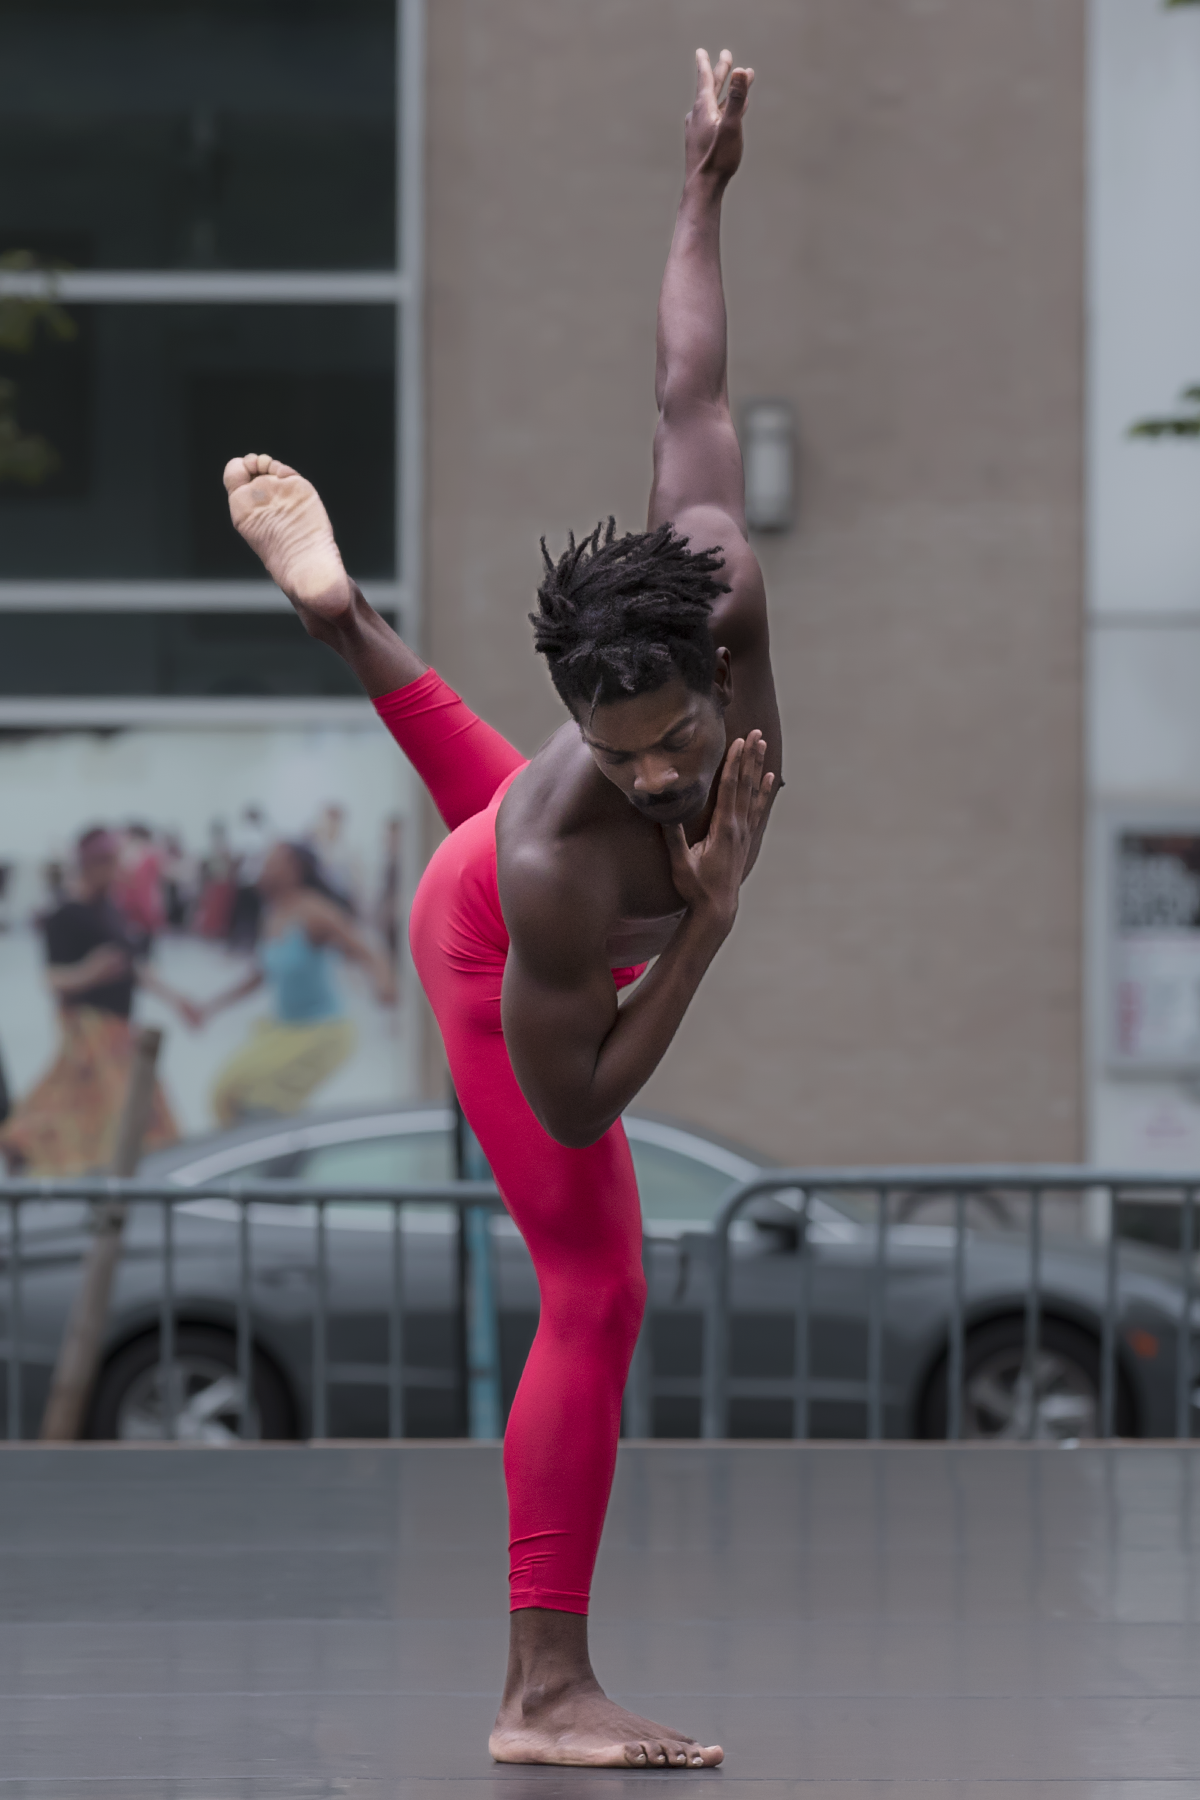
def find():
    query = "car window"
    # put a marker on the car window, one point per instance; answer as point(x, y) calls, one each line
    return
point(678, 1187)
point(403, 1160)
point(408, 1161)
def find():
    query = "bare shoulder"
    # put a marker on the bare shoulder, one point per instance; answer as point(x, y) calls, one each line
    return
point(321, 917)
point(556, 906)
point(739, 618)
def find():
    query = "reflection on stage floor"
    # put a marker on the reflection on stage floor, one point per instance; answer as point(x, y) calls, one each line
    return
point(900, 1621)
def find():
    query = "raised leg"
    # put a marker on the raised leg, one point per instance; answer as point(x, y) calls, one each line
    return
point(281, 517)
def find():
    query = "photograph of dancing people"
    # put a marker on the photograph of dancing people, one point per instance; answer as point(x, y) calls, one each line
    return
point(96, 956)
point(184, 906)
point(626, 838)
point(288, 1055)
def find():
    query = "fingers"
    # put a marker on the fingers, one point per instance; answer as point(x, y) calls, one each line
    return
point(704, 77)
point(677, 844)
point(750, 774)
point(726, 808)
point(721, 72)
point(740, 83)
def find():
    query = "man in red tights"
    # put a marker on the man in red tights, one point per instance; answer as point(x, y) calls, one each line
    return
point(626, 838)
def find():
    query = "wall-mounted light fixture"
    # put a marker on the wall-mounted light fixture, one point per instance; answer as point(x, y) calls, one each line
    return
point(769, 456)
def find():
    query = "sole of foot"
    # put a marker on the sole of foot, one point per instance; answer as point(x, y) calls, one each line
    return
point(281, 517)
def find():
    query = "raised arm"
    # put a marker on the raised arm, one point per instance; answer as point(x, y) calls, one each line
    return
point(697, 461)
point(698, 481)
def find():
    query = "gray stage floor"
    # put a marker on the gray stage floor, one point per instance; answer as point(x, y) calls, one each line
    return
point(904, 1621)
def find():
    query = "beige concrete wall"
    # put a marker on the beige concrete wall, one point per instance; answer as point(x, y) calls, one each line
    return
point(903, 253)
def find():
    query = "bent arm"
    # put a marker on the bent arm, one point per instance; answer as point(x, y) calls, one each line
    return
point(579, 1058)
point(248, 985)
point(107, 962)
point(328, 924)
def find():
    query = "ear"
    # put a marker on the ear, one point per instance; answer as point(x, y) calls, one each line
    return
point(723, 679)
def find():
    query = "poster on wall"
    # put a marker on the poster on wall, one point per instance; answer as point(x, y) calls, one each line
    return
point(242, 888)
point(1156, 998)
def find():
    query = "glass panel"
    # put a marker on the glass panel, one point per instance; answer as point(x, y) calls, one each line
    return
point(409, 1161)
point(202, 134)
point(214, 655)
point(424, 1156)
point(116, 422)
point(677, 1187)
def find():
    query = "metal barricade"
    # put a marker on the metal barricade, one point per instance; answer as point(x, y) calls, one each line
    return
point(474, 1202)
point(957, 1185)
point(886, 1192)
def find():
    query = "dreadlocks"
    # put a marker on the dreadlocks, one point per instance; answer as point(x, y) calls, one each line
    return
point(622, 616)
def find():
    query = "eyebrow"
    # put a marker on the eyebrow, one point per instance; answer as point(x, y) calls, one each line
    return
point(595, 743)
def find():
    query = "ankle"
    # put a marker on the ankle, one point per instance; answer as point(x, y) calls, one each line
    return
point(533, 1693)
point(337, 627)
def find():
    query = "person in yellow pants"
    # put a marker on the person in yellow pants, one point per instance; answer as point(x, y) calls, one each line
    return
point(288, 1056)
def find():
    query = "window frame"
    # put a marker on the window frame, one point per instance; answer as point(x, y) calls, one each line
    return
point(402, 288)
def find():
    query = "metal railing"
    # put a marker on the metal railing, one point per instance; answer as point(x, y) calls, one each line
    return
point(472, 1200)
point(890, 1187)
point(889, 1194)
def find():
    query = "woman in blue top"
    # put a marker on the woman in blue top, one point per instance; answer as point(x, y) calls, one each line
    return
point(290, 1054)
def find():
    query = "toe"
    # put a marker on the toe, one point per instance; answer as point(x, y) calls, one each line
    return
point(236, 474)
point(636, 1755)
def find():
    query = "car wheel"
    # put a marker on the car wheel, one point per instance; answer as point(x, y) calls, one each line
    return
point(128, 1404)
point(1001, 1402)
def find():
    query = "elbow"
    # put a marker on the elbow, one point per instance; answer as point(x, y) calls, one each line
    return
point(571, 1127)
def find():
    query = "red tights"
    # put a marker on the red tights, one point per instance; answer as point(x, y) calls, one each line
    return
point(577, 1210)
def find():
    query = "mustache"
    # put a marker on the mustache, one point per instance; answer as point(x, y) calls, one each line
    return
point(689, 800)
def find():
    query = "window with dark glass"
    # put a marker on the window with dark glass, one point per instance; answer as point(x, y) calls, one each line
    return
point(198, 256)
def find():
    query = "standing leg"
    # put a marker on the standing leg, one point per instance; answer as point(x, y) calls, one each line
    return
point(578, 1212)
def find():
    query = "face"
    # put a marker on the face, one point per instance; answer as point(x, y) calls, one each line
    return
point(280, 872)
point(97, 872)
point(98, 865)
point(663, 749)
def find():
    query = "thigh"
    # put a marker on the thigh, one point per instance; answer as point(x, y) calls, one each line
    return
point(572, 1206)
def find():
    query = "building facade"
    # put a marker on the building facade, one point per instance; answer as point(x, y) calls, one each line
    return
point(904, 257)
point(416, 249)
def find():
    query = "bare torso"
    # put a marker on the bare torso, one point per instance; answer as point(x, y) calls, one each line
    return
point(561, 799)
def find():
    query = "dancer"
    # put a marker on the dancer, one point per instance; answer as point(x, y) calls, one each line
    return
point(96, 959)
point(288, 1056)
point(625, 838)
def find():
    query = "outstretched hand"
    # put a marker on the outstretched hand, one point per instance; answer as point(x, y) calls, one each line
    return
point(708, 875)
point(713, 128)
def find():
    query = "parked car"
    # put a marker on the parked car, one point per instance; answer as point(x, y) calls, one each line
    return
point(684, 1177)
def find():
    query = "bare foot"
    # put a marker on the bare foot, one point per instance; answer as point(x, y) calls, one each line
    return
point(281, 517)
point(555, 1711)
point(580, 1726)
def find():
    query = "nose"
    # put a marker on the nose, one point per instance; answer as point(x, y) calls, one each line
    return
point(654, 778)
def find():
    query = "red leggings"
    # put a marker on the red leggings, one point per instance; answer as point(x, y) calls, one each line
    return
point(577, 1210)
